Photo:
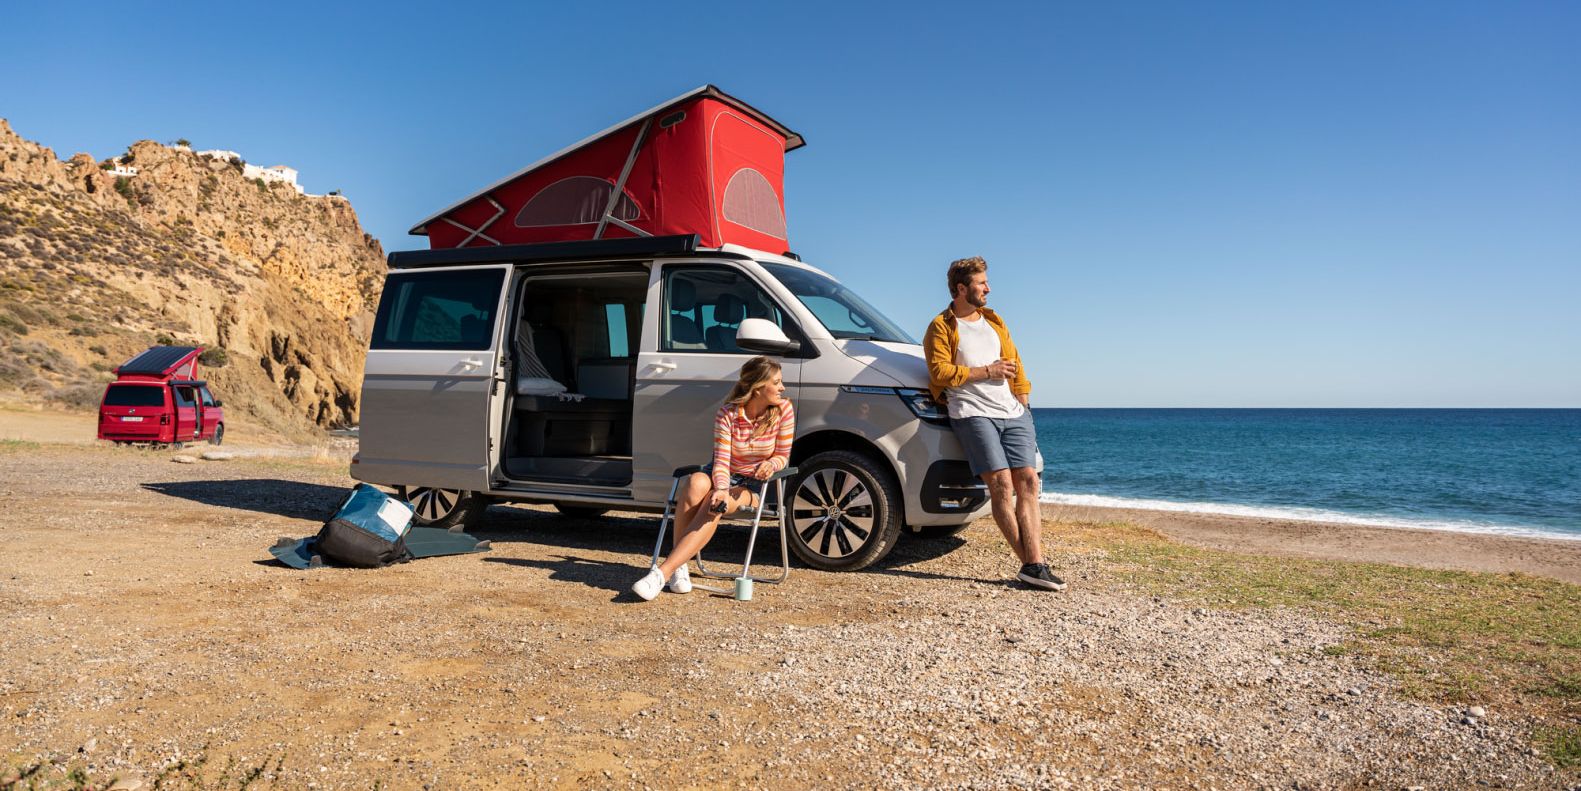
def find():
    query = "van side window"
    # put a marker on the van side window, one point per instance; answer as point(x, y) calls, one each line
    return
point(207, 399)
point(703, 306)
point(183, 396)
point(438, 310)
point(616, 316)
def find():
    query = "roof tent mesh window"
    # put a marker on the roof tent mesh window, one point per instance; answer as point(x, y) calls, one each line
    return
point(578, 200)
point(750, 201)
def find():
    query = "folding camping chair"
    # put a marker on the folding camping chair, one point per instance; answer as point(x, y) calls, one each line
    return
point(778, 512)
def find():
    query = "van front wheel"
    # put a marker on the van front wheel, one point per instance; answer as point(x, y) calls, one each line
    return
point(845, 511)
point(444, 508)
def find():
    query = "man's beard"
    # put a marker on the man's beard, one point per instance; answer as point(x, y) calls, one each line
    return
point(976, 301)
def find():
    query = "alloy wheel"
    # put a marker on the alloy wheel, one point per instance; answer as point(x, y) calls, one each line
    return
point(432, 505)
point(832, 511)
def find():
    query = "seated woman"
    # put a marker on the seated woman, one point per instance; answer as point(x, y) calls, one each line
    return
point(752, 441)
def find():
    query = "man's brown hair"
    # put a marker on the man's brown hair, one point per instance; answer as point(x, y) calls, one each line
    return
point(961, 271)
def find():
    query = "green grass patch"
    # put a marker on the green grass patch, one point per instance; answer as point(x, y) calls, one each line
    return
point(17, 445)
point(1562, 745)
point(1448, 635)
point(1563, 688)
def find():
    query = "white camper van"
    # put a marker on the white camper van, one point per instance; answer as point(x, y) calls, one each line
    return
point(583, 374)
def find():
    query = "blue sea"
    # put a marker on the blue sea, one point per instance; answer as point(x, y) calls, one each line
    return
point(1509, 471)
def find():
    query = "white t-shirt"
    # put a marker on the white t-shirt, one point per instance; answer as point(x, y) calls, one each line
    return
point(979, 346)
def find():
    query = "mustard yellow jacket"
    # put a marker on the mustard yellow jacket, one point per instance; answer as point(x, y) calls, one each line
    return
point(940, 342)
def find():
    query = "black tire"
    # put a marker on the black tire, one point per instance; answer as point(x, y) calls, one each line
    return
point(219, 435)
point(846, 511)
point(580, 511)
point(444, 508)
point(936, 532)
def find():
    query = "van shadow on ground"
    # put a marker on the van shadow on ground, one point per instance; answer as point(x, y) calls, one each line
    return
point(634, 535)
point(292, 499)
point(631, 535)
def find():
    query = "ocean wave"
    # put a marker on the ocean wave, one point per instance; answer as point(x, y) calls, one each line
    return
point(1304, 514)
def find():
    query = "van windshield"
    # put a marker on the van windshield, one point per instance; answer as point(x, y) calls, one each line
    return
point(134, 395)
point(844, 314)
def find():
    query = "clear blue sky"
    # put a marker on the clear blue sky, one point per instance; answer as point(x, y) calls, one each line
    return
point(1182, 204)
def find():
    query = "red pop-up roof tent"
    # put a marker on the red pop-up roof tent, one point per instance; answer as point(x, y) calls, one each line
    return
point(704, 163)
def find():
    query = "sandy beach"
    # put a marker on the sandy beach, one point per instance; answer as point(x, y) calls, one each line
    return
point(154, 639)
point(1437, 549)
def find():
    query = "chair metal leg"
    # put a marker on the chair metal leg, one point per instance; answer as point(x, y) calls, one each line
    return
point(664, 522)
point(746, 567)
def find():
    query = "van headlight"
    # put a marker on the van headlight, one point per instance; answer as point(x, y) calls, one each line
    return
point(923, 406)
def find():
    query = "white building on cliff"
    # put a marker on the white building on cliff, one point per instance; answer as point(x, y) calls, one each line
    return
point(272, 174)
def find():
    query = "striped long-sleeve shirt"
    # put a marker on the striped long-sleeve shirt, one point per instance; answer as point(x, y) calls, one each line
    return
point(738, 452)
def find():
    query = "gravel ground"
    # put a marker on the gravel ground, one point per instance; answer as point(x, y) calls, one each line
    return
point(147, 625)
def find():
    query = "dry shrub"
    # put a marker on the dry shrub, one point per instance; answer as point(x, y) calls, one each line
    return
point(81, 394)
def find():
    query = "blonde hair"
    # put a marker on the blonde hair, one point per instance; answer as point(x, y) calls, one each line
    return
point(756, 374)
point(961, 271)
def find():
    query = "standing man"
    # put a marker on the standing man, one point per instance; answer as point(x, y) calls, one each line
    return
point(974, 370)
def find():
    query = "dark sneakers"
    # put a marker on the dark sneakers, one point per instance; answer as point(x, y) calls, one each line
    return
point(1038, 576)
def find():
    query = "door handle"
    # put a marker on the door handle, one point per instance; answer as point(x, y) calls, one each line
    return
point(664, 367)
point(471, 362)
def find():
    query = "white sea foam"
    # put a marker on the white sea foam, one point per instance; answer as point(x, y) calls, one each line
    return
point(1304, 514)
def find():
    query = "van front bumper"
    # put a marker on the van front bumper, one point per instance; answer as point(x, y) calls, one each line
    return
point(949, 487)
point(939, 486)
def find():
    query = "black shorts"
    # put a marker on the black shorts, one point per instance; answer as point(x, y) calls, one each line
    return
point(747, 482)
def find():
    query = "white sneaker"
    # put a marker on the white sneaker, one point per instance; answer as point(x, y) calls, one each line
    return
point(681, 581)
point(649, 586)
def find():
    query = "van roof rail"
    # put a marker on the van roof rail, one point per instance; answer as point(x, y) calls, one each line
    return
point(679, 244)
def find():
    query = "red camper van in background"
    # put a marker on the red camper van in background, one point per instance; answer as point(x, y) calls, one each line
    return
point(157, 397)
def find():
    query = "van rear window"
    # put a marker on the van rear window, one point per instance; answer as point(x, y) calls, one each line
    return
point(134, 395)
point(438, 310)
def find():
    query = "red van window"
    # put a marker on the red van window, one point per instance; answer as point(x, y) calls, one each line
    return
point(134, 395)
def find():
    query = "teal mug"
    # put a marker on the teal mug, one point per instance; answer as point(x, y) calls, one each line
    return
point(743, 589)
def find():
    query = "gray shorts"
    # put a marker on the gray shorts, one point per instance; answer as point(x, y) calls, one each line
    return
point(997, 444)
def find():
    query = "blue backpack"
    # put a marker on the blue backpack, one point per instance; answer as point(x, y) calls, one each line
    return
point(367, 531)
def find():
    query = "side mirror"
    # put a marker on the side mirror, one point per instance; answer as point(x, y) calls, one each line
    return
point(765, 337)
point(218, 402)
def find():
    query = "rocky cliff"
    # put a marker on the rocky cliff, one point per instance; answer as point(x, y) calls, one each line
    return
point(95, 267)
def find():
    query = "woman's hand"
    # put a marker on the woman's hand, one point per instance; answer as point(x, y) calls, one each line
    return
point(719, 502)
point(764, 471)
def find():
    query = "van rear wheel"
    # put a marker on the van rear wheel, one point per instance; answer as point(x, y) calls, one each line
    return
point(845, 511)
point(444, 508)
